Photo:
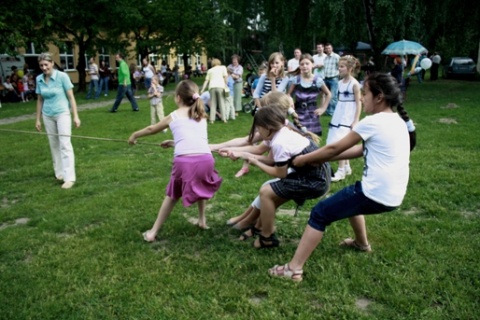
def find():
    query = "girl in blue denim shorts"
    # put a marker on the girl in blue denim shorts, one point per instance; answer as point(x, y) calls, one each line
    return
point(386, 150)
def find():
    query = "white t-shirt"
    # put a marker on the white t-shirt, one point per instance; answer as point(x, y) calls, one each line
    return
point(148, 72)
point(317, 59)
point(386, 153)
point(285, 144)
point(293, 64)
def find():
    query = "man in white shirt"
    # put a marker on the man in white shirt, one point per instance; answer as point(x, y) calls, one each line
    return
point(94, 77)
point(318, 61)
point(294, 63)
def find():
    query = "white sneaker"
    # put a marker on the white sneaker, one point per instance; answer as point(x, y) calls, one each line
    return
point(339, 175)
point(68, 184)
point(348, 171)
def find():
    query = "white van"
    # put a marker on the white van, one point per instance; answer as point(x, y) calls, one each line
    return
point(6, 64)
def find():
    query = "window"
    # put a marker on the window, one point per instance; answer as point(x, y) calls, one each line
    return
point(105, 57)
point(66, 56)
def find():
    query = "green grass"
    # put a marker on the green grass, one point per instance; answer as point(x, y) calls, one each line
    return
point(81, 254)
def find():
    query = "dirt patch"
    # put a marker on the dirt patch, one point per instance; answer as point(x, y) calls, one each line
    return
point(18, 222)
point(258, 298)
point(363, 303)
point(6, 203)
point(470, 214)
point(411, 211)
point(450, 106)
point(447, 121)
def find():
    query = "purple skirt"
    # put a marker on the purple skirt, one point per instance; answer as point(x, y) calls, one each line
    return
point(193, 178)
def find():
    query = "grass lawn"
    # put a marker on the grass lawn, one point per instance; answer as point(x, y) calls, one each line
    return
point(79, 253)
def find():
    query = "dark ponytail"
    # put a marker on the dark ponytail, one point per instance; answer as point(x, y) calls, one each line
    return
point(411, 127)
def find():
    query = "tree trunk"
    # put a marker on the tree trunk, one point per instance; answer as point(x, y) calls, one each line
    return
point(478, 58)
point(81, 66)
point(369, 17)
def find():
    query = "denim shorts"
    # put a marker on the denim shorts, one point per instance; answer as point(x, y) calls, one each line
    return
point(346, 203)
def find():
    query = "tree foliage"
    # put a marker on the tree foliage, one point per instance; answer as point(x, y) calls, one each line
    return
point(223, 27)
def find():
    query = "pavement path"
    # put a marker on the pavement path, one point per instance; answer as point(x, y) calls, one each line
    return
point(86, 106)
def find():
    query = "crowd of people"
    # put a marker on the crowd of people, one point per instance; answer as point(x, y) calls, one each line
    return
point(283, 141)
point(19, 86)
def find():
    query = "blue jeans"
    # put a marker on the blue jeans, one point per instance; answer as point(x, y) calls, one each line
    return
point(332, 85)
point(346, 203)
point(147, 82)
point(121, 92)
point(93, 83)
point(104, 84)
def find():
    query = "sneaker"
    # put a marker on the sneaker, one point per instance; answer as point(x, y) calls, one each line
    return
point(165, 130)
point(348, 171)
point(112, 111)
point(68, 184)
point(339, 175)
point(135, 110)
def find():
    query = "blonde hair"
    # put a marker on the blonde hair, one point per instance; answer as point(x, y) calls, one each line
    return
point(45, 56)
point(273, 56)
point(187, 91)
point(352, 63)
point(216, 62)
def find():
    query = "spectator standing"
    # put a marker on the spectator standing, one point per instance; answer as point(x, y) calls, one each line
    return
point(294, 63)
point(124, 85)
point(56, 103)
point(148, 73)
point(237, 73)
point(94, 78)
point(104, 77)
point(331, 76)
point(436, 59)
point(318, 62)
point(216, 80)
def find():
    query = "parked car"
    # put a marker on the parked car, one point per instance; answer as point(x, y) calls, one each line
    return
point(459, 67)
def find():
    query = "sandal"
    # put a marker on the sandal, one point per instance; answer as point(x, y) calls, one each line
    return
point(286, 272)
point(351, 243)
point(266, 242)
point(242, 172)
point(253, 232)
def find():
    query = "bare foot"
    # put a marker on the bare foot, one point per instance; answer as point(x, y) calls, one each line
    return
point(203, 226)
point(148, 236)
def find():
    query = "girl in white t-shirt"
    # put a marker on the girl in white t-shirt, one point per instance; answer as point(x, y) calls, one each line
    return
point(386, 149)
point(293, 183)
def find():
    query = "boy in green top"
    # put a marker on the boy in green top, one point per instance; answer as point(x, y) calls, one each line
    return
point(124, 85)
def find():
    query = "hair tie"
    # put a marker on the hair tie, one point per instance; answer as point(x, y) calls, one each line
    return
point(195, 96)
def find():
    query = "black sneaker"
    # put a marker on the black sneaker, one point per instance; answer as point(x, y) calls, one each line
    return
point(135, 110)
point(112, 111)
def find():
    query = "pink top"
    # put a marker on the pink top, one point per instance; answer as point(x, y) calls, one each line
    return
point(190, 136)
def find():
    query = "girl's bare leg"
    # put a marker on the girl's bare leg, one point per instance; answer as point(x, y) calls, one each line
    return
point(237, 219)
point(167, 206)
point(360, 230)
point(202, 221)
point(311, 238)
point(269, 202)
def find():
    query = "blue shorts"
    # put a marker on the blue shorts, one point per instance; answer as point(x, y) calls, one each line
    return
point(346, 203)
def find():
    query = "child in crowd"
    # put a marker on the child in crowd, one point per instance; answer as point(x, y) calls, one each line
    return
point(384, 183)
point(193, 176)
point(274, 79)
point(307, 89)
point(293, 183)
point(137, 79)
point(156, 106)
point(261, 71)
point(347, 111)
point(229, 107)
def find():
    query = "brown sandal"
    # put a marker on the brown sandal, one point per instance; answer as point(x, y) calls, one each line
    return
point(351, 243)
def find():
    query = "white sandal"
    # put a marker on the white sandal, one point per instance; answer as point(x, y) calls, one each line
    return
point(286, 272)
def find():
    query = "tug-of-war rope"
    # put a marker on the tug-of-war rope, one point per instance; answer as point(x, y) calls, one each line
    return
point(76, 136)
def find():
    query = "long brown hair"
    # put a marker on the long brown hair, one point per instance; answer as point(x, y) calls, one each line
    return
point(187, 91)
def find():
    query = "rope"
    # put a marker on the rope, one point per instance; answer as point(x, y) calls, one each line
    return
point(75, 136)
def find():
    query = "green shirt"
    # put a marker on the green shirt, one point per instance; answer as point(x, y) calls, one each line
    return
point(123, 74)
